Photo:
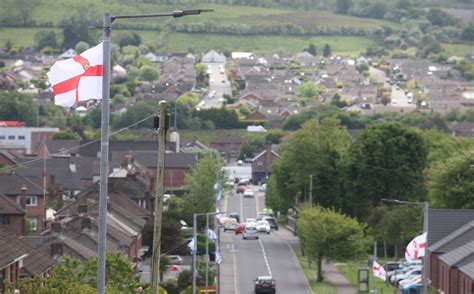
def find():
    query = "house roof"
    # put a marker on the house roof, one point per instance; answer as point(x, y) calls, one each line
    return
point(468, 269)
point(10, 184)
point(36, 262)
point(444, 221)
point(10, 252)
point(149, 159)
point(227, 138)
point(262, 153)
point(459, 237)
point(10, 207)
point(459, 256)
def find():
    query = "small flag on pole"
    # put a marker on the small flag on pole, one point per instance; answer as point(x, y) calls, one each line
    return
point(379, 271)
point(78, 78)
point(192, 245)
point(211, 235)
point(416, 247)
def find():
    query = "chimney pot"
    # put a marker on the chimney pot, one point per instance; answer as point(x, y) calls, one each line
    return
point(24, 191)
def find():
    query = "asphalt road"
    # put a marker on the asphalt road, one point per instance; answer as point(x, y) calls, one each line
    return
point(218, 86)
point(269, 255)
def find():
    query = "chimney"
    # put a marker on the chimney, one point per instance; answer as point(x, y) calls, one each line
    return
point(72, 166)
point(86, 223)
point(24, 190)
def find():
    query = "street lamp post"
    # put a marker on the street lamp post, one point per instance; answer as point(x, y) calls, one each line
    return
point(425, 230)
point(108, 19)
point(195, 215)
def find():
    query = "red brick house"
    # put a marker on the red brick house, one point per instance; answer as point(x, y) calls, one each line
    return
point(451, 253)
point(262, 164)
point(228, 145)
point(12, 215)
point(17, 187)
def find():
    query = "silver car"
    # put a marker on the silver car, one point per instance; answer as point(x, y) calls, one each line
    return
point(250, 232)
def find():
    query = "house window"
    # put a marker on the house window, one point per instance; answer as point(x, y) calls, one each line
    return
point(21, 137)
point(31, 200)
point(142, 203)
point(4, 219)
point(11, 137)
point(32, 224)
point(2, 137)
point(259, 163)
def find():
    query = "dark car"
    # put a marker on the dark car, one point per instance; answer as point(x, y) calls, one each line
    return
point(272, 222)
point(235, 215)
point(265, 284)
point(391, 266)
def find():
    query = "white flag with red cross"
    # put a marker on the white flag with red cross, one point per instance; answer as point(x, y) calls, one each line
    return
point(78, 78)
point(379, 271)
point(416, 248)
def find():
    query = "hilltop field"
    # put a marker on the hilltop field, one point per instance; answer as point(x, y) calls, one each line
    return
point(263, 30)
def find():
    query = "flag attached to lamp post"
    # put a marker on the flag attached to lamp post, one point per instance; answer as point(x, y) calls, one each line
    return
point(78, 78)
point(379, 271)
point(416, 247)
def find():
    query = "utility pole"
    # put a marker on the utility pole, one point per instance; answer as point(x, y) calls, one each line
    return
point(207, 251)
point(194, 250)
point(104, 154)
point(160, 177)
point(311, 190)
point(425, 258)
point(375, 258)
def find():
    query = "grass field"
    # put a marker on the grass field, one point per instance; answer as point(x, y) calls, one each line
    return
point(458, 49)
point(263, 44)
point(22, 37)
point(350, 271)
point(310, 273)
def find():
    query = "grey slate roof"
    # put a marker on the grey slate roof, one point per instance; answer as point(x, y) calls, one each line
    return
point(10, 184)
point(149, 159)
point(459, 237)
point(9, 250)
point(442, 222)
point(10, 207)
point(36, 262)
point(468, 269)
point(62, 146)
point(461, 256)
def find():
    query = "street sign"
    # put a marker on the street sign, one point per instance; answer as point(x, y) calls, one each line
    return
point(363, 278)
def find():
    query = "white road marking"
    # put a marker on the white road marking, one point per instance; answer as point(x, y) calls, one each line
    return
point(236, 285)
point(241, 207)
point(265, 257)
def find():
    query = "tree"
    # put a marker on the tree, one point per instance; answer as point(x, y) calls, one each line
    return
point(326, 233)
point(149, 73)
point(312, 49)
point(76, 277)
point(327, 50)
point(130, 39)
point(386, 161)
point(337, 101)
point(343, 6)
point(76, 29)
point(246, 151)
point(468, 33)
point(316, 149)
point(308, 91)
point(66, 134)
point(200, 197)
point(19, 107)
point(44, 39)
point(189, 99)
point(81, 46)
point(135, 113)
point(451, 182)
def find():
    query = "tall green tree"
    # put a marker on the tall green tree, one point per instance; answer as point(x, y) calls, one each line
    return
point(325, 233)
point(318, 150)
point(200, 197)
point(17, 106)
point(451, 182)
point(308, 91)
point(386, 161)
point(343, 6)
point(327, 50)
point(45, 38)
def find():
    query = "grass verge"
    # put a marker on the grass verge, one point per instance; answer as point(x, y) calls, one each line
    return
point(350, 271)
point(310, 273)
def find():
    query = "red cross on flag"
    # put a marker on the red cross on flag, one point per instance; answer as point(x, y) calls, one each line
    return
point(416, 248)
point(78, 78)
point(379, 271)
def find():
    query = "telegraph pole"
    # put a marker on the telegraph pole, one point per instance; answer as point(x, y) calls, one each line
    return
point(194, 250)
point(160, 177)
point(207, 251)
point(425, 258)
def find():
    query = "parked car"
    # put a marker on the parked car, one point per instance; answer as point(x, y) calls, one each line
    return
point(263, 226)
point(412, 289)
point(391, 266)
point(240, 162)
point(250, 232)
point(176, 259)
point(265, 284)
point(249, 194)
point(243, 182)
point(408, 275)
point(240, 189)
point(235, 215)
point(407, 282)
